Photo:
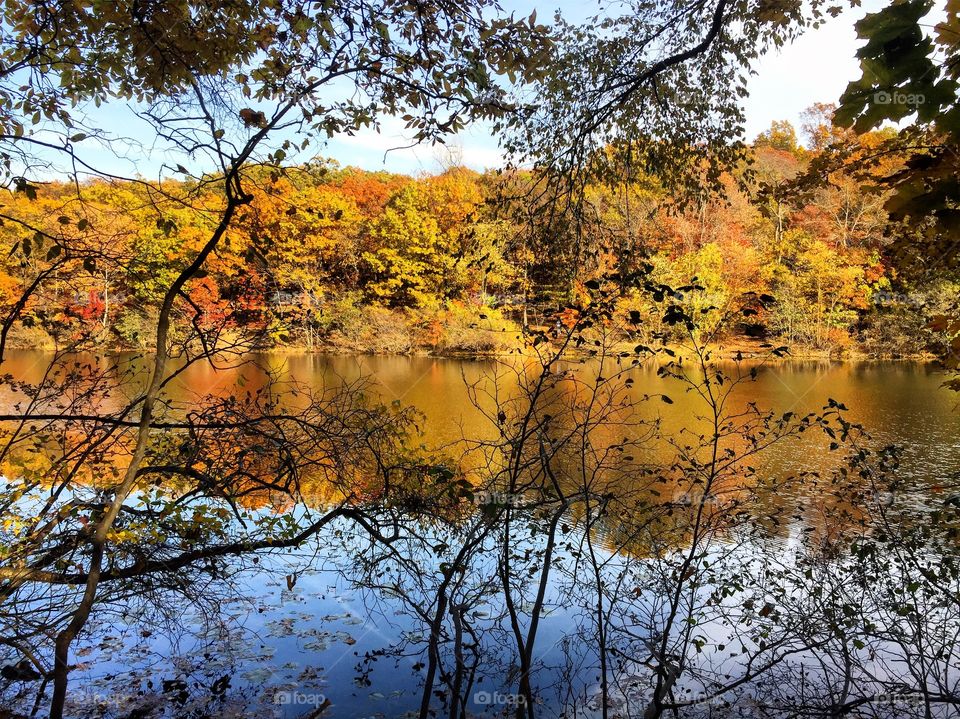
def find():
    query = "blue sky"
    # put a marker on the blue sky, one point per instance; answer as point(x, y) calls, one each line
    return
point(814, 68)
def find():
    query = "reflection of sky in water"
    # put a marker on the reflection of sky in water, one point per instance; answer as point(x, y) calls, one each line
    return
point(307, 645)
point(302, 645)
point(319, 640)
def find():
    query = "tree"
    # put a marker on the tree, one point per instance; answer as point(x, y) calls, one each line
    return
point(222, 90)
point(819, 128)
point(781, 136)
point(652, 89)
point(907, 73)
point(408, 258)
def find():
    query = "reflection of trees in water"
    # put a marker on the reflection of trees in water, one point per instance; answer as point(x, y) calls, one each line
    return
point(85, 535)
point(692, 586)
point(559, 567)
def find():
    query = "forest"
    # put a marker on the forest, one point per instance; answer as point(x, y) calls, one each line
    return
point(652, 419)
point(339, 259)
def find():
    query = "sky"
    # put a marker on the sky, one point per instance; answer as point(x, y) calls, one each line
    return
point(814, 68)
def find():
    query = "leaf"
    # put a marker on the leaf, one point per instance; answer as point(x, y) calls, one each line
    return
point(252, 118)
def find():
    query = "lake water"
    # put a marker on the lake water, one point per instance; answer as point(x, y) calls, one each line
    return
point(340, 626)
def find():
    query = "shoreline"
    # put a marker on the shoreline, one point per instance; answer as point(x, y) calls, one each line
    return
point(722, 352)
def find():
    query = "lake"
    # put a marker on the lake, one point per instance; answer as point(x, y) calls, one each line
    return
point(621, 576)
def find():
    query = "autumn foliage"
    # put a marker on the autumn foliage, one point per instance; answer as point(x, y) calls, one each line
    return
point(325, 257)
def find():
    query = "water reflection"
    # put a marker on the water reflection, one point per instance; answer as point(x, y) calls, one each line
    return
point(562, 545)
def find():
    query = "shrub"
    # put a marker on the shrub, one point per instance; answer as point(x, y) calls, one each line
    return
point(135, 329)
point(473, 329)
point(29, 337)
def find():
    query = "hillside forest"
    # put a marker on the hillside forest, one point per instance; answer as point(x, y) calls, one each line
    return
point(330, 258)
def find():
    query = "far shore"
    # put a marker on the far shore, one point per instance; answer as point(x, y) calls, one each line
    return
point(748, 351)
